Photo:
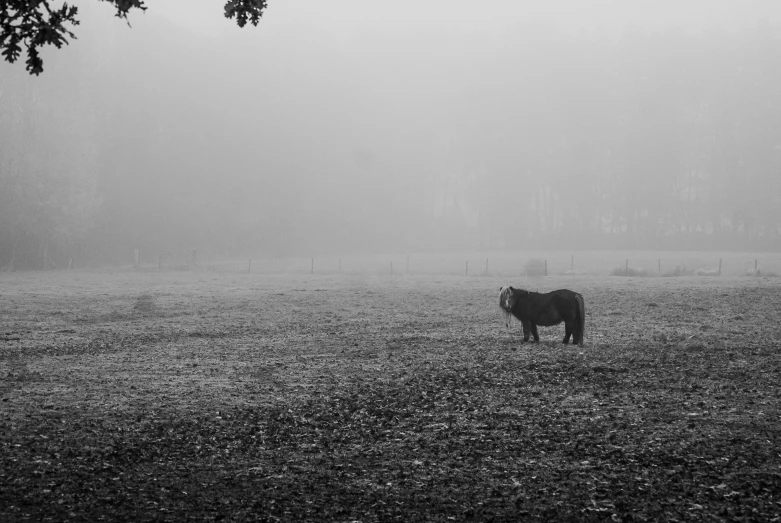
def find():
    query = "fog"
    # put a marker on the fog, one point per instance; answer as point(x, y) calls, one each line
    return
point(354, 126)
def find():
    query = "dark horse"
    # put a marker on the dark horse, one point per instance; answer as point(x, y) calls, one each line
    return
point(533, 308)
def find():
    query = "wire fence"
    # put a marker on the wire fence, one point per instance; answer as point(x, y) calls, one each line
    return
point(474, 264)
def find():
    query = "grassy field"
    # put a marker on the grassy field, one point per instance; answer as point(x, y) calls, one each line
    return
point(347, 397)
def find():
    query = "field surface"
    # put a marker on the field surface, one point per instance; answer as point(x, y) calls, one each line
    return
point(169, 396)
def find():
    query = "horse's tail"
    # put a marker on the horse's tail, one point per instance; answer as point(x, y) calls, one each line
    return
point(580, 318)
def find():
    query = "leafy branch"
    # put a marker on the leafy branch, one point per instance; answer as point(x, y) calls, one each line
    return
point(32, 24)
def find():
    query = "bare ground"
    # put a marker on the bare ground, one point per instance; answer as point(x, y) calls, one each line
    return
point(167, 396)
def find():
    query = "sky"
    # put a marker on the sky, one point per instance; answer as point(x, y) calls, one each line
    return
point(339, 15)
point(385, 125)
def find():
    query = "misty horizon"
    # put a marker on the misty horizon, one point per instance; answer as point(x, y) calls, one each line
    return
point(342, 127)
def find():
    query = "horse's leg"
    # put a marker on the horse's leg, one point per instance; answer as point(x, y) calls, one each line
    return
point(568, 331)
point(527, 329)
point(534, 332)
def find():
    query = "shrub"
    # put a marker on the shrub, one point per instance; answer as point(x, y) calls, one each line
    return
point(760, 272)
point(680, 270)
point(630, 271)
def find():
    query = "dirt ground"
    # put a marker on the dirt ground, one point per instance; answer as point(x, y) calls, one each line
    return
point(195, 395)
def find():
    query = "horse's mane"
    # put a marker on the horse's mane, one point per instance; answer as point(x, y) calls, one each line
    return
point(506, 302)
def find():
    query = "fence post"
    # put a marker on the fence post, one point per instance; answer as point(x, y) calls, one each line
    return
point(572, 263)
point(546, 267)
point(135, 257)
point(466, 269)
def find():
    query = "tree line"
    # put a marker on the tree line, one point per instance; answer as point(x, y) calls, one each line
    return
point(547, 140)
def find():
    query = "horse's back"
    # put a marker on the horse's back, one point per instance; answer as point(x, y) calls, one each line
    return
point(565, 302)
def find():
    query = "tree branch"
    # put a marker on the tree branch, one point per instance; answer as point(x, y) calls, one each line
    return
point(34, 24)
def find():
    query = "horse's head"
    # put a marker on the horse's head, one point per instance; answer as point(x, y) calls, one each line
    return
point(506, 298)
point(507, 302)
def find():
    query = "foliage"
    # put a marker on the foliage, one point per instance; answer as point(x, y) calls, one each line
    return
point(679, 270)
point(245, 10)
point(707, 271)
point(629, 271)
point(34, 24)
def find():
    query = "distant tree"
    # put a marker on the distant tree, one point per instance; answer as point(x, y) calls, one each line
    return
point(35, 23)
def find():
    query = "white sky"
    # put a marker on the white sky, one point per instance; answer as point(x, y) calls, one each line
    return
point(207, 15)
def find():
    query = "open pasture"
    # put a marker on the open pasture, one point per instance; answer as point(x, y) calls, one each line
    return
point(343, 397)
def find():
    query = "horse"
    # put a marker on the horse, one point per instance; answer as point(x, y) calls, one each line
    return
point(551, 308)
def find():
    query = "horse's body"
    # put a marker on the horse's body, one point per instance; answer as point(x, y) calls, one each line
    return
point(533, 309)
